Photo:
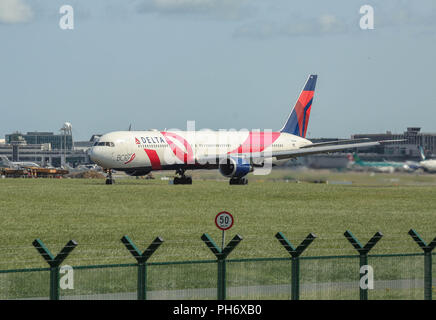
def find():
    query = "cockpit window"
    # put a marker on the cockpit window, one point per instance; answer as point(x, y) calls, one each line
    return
point(106, 144)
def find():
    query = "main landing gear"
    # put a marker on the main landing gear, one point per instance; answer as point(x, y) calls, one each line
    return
point(109, 179)
point(181, 178)
point(240, 181)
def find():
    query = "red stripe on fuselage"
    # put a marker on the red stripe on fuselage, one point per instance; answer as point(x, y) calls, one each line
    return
point(257, 142)
point(186, 157)
point(154, 159)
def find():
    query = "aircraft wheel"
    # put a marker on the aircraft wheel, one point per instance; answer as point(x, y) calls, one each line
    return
point(110, 181)
point(240, 181)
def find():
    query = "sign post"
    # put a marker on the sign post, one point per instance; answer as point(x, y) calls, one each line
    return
point(224, 221)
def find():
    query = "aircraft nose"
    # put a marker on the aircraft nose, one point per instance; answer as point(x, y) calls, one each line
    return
point(94, 154)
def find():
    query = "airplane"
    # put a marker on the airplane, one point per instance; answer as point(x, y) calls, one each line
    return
point(17, 164)
point(428, 165)
point(234, 154)
point(379, 166)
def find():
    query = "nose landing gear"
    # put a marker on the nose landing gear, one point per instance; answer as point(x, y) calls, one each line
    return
point(109, 179)
point(181, 178)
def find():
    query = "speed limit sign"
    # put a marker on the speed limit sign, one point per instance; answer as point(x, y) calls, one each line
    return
point(224, 220)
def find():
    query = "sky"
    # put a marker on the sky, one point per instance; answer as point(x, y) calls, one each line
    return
point(225, 64)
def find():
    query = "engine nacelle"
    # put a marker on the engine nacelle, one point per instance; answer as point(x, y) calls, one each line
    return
point(137, 172)
point(235, 167)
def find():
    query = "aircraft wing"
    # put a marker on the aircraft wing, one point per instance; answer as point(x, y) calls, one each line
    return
point(335, 142)
point(307, 150)
point(321, 149)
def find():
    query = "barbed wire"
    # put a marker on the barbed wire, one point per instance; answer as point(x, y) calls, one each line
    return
point(114, 243)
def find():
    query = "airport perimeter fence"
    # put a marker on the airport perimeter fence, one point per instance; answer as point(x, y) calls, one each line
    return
point(362, 276)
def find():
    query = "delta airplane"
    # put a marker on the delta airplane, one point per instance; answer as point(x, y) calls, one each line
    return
point(234, 154)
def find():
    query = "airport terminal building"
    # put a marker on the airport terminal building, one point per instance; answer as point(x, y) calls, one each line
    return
point(46, 148)
point(407, 149)
point(57, 141)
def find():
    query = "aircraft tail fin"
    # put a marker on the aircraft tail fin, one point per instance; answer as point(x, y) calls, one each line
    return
point(356, 158)
point(5, 161)
point(421, 153)
point(298, 119)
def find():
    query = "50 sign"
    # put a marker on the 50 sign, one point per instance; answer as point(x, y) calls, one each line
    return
point(224, 220)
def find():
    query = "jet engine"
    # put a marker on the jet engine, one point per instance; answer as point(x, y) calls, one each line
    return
point(235, 168)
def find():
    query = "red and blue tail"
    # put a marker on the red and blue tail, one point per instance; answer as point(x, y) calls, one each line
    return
point(298, 120)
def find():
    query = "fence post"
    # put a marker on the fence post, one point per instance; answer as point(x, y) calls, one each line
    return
point(363, 254)
point(221, 256)
point(295, 258)
point(54, 263)
point(427, 262)
point(142, 258)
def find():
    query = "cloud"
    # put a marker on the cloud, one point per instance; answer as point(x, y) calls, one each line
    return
point(407, 16)
point(229, 9)
point(15, 11)
point(295, 26)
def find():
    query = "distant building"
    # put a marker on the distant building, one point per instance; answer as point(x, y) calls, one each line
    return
point(47, 148)
point(43, 155)
point(57, 141)
point(413, 138)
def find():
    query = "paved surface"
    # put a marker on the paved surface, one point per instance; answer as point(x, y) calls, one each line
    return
point(248, 292)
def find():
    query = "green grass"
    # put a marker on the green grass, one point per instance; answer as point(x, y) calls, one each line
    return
point(97, 215)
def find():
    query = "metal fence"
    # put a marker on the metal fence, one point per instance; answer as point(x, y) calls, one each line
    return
point(392, 276)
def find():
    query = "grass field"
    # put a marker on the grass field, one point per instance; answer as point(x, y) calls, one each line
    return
point(97, 215)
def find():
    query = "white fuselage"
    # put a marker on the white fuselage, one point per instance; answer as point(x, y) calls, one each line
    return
point(160, 150)
point(428, 165)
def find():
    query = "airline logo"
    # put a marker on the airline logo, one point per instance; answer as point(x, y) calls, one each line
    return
point(131, 158)
point(178, 145)
point(299, 118)
point(125, 157)
point(149, 140)
point(303, 106)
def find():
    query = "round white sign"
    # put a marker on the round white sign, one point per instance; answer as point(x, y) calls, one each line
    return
point(224, 220)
